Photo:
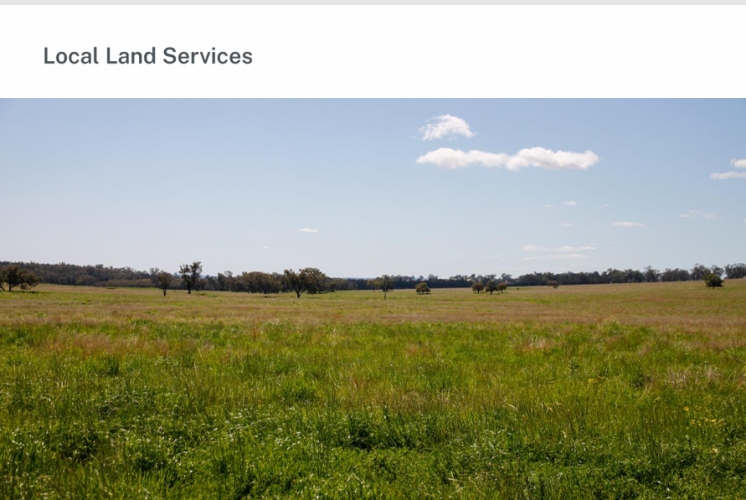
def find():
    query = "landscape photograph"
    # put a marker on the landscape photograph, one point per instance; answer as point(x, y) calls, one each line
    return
point(373, 298)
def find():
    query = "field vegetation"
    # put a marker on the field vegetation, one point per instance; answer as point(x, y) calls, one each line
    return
point(597, 391)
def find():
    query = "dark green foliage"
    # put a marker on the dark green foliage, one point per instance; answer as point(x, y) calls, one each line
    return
point(713, 280)
point(553, 284)
point(14, 277)
point(422, 289)
point(309, 280)
point(99, 275)
point(190, 275)
point(477, 287)
point(161, 279)
point(735, 271)
point(384, 283)
point(266, 283)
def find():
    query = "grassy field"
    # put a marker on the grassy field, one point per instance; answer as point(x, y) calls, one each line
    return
point(606, 391)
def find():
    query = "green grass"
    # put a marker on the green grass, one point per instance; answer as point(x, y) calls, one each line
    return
point(609, 391)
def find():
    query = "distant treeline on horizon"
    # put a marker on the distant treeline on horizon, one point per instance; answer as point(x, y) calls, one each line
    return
point(103, 276)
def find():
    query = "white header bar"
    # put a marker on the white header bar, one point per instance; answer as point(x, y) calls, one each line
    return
point(379, 51)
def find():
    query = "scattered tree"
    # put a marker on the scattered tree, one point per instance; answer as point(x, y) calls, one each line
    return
point(314, 280)
point(422, 289)
point(164, 280)
point(501, 287)
point(735, 271)
point(553, 284)
point(699, 272)
point(477, 287)
point(383, 283)
point(15, 276)
point(490, 287)
point(190, 275)
point(713, 280)
point(651, 275)
point(294, 282)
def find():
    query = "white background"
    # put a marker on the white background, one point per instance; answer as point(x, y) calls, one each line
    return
point(383, 51)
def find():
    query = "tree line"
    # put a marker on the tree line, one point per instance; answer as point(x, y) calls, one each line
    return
point(312, 281)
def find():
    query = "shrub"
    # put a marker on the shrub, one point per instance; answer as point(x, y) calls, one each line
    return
point(713, 280)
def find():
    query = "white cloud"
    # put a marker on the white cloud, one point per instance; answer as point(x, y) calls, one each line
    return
point(566, 224)
point(533, 157)
point(458, 256)
point(493, 257)
point(570, 203)
point(566, 248)
point(628, 224)
point(266, 247)
point(548, 206)
point(308, 230)
point(738, 163)
point(444, 126)
point(728, 175)
point(563, 256)
point(697, 214)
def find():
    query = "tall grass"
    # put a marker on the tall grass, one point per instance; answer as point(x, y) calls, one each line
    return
point(343, 396)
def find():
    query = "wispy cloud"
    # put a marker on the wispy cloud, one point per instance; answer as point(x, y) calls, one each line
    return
point(548, 206)
point(533, 157)
point(731, 175)
point(566, 224)
point(728, 175)
point(308, 230)
point(570, 203)
point(566, 248)
point(697, 214)
point(266, 247)
point(445, 126)
point(563, 256)
point(493, 257)
point(628, 224)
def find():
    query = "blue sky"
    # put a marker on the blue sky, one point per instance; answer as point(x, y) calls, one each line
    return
point(232, 183)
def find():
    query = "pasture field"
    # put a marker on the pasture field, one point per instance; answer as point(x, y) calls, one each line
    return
point(604, 391)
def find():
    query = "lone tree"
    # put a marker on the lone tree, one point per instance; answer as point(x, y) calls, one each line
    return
point(190, 275)
point(164, 280)
point(477, 287)
point(501, 287)
point(553, 284)
point(713, 280)
point(294, 282)
point(314, 280)
point(383, 283)
point(15, 276)
point(422, 289)
point(309, 280)
point(491, 287)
